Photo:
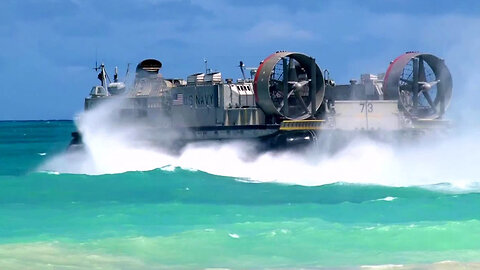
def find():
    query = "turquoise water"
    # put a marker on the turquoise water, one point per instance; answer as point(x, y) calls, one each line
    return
point(182, 218)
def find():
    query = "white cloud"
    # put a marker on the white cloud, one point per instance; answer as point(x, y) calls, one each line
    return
point(274, 31)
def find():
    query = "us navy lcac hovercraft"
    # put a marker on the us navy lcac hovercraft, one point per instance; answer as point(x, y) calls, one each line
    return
point(288, 100)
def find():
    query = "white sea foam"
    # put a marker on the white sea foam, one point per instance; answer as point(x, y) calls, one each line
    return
point(114, 148)
point(234, 235)
point(383, 267)
point(387, 199)
point(449, 161)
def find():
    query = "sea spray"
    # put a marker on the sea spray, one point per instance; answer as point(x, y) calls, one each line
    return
point(111, 147)
point(115, 145)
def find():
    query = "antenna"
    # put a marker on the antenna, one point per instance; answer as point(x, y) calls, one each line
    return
point(126, 73)
point(96, 68)
point(206, 64)
point(242, 69)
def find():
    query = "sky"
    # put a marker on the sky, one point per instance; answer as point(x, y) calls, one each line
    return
point(48, 47)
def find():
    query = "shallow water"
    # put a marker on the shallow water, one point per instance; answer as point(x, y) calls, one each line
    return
point(121, 207)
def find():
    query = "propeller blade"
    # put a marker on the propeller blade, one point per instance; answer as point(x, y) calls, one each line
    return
point(282, 103)
point(432, 84)
point(296, 88)
point(299, 84)
point(425, 86)
point(299, 98)
point(429, 100)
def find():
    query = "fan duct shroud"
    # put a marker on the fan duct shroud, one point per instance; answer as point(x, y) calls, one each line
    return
point(289, 85)
point(422, 84)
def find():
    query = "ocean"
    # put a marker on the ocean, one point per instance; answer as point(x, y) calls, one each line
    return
point(123, 206)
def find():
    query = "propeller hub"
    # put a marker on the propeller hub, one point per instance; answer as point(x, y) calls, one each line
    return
point(426, 86)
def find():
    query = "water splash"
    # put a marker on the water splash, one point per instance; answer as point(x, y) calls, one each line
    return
point(112, 147)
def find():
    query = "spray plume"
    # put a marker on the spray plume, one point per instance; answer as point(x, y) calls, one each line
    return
point(114, 147)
